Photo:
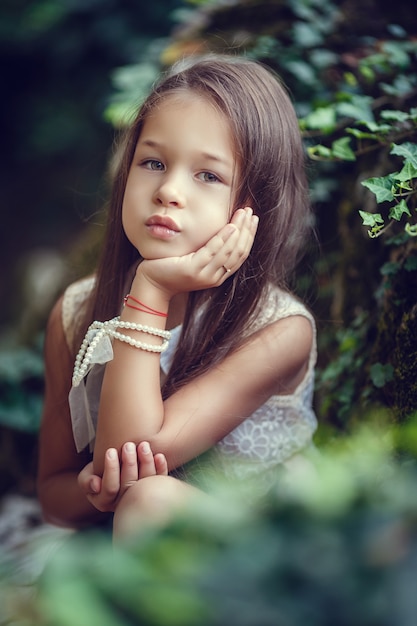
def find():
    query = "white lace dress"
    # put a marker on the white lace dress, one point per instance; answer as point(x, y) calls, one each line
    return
point(273, 435)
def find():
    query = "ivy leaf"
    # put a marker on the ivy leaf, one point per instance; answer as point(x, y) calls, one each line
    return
point(371, 219)
point(362, 134)
point(381, 374)
point(411, 229)
point(397, 116)
point(323, 118)
point(381, 187)
point(359, 108)
point(408, 172)
point(319, 150)
point(381, 129)
point(397, 211)
point(302, 71)
point(407, 150)
point(342, 150)
point(400, 87)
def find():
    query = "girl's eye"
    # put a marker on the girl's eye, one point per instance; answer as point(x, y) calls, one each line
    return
point(208, 177)
point(153, 164)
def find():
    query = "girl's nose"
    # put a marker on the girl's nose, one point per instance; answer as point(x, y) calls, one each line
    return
point(169, 194)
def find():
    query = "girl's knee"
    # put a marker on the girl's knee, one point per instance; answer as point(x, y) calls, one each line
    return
point(151, 492)
point(151, 501)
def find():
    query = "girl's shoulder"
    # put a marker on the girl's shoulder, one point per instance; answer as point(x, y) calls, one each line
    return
point(280, 304)
point(74, 300)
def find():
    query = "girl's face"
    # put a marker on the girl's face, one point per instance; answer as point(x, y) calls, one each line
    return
point(179, 189)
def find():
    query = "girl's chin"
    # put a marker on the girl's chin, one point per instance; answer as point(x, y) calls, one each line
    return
point(147, 255)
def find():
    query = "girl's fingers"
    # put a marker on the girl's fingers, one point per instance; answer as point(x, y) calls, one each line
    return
point(110, 482)
point(161, 464)
point(94, 485)
point(235, 252)
point(247, 230)
point(129, 467)
point(149, 465)
point(145, 460)
point(230, 242)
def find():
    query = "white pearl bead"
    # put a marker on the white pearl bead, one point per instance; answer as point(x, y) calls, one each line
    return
point(86, 352)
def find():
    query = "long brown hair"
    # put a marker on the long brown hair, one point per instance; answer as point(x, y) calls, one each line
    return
point(272, 180)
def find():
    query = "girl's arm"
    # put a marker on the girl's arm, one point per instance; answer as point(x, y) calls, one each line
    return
point(202, 412)
point(69, 493)
point(62, 500)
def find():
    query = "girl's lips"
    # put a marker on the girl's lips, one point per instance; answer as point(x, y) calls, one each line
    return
point(162, 226)
point(163, 220)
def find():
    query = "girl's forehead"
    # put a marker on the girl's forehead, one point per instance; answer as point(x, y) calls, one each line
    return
point(185, 108)
point(177, 99)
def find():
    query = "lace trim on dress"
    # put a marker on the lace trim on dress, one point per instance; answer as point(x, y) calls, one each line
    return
point(84, 399)
point(285, 424)
point(75, 297)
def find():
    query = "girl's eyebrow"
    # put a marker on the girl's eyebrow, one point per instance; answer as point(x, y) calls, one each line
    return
point(151, 143)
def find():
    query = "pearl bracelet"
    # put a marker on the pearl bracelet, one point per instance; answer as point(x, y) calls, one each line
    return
point(88, 347)
point(149, 347)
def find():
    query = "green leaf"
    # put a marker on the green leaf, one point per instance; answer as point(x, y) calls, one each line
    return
point(390, 269)
point(396, 53)
point(398, 116)
point(400, 87)
point(359, 108)
point(411, 263)
point(381, 187)
point(371, 219)
point(411, 229)
point(400, 209)
point(361, 134)
point(341, 149)
point(323, 58)
point(382, 129)
point(408, 172)
point(306, 35)
point(319, 150)
point(367, 72)
point(302, 71)
point(381, 374)
point(119, 114)
point(323, 118)
point(407, 150)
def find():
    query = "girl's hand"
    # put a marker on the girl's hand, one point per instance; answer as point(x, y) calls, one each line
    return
point(209, 266)
point(137, 462)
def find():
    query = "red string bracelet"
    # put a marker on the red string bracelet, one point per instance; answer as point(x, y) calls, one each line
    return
point(142, 307)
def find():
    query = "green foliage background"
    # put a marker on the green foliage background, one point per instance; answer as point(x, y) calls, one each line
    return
point(334, 546)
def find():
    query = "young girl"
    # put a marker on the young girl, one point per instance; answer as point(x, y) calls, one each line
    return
point(196, 344)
